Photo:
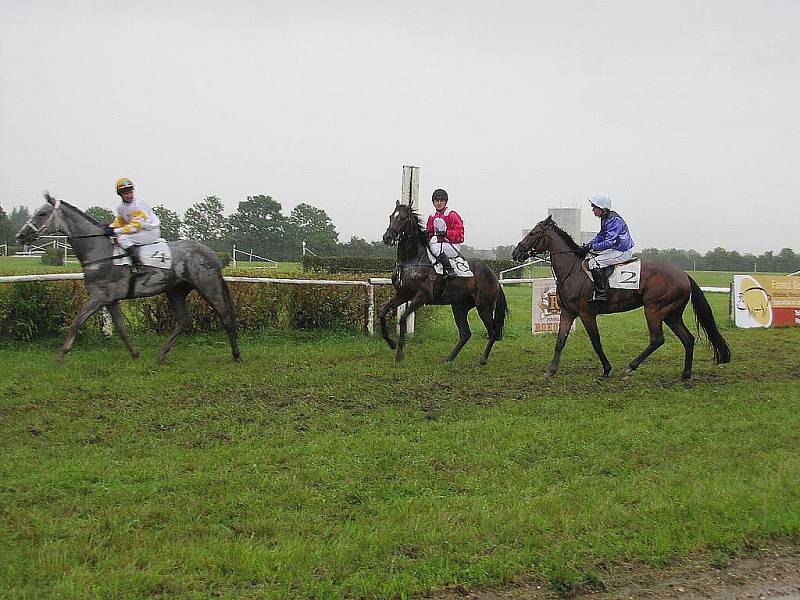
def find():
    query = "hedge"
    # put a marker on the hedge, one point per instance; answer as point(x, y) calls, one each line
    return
point(374, 264)
point(36, 309)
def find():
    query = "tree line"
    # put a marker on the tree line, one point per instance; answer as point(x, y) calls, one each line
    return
point(258, 225)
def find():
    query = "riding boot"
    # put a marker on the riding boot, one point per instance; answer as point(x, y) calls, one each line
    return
point(133, 254)
point(600, 285)
point(447, 266)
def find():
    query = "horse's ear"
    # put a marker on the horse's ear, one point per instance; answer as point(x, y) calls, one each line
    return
point(549, 219)
point(49, 198)
point(398, 203)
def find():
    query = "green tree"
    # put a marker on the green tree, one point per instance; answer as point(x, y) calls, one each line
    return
point(5, 227)
point(259, 226)
point(205, 221)
point(355, 247)
point(100, 214)
point(170, 222)
point(313, 225)
point(503, 252)
point(19, 216)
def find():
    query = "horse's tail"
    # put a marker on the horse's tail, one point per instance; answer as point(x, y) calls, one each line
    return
point(500, 312)
point(705, 319)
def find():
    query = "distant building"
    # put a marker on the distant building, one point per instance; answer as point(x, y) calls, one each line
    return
point(569, 219)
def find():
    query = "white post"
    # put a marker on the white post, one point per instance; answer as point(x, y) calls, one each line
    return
point(370, 318)
point(106, 324)
point(409, 194)
point(233, 256)
point(304, 247)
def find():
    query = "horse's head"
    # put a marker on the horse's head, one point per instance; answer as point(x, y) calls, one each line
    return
point(398, 222)
point(44, 221)
point(533, 242)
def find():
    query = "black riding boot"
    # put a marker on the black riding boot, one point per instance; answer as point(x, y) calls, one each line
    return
point(600, 285)
point(133, 254)
point(448, 268)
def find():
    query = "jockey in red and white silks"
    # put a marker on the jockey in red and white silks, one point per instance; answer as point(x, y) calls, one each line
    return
point(445, 228)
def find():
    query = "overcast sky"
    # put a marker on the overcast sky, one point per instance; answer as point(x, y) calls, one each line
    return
point(686, 112)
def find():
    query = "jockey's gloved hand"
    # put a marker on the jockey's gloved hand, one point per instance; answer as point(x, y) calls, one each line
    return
point(585, 249)
point(109, 231)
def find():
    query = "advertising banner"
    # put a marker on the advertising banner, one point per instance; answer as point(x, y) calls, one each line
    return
point(546, 313)
point(766, 300)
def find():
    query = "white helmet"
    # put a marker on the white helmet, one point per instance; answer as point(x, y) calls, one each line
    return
point(601, 201)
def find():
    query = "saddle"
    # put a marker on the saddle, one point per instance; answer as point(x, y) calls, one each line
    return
point(621, 276)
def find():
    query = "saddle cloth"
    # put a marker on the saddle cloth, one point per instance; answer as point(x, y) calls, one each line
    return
point(157, 254)
point(626, 276)
point(459, 264)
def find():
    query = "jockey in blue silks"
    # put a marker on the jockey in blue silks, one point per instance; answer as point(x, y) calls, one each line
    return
point(612, 244)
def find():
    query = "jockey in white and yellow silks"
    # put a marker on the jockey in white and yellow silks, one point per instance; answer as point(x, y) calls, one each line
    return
point(136, 223)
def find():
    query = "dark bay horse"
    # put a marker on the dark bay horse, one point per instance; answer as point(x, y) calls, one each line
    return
point(416, 282)
point(664, 291)
point(194, 267)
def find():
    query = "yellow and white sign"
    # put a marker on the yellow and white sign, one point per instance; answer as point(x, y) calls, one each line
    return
point(766, 300)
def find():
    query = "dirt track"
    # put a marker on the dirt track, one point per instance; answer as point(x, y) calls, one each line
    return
point(771, 574)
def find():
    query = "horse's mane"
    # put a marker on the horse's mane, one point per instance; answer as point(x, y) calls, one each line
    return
point(573, 245)
point(77, 210)
point(413, 227)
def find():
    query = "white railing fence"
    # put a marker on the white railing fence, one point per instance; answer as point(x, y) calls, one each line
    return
point(531, 263)
point(250, 257)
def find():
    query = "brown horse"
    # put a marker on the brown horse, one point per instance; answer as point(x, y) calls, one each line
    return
point(664, 291)
point(416, 282)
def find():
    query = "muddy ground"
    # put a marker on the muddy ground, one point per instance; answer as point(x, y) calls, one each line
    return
point(770, 573)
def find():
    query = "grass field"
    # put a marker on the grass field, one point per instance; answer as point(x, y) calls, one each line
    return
point(317, 468)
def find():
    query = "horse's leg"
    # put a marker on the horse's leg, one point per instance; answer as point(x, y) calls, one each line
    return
point(564, 325)
point(486, 313)
point(415, 303)
point(217, 295)
point(675, 322)
point(385, 309)
point(177, 302)
point(119, 323)
point(590, 324)
point(86, 311)
point(460, 316)
point(655, 318)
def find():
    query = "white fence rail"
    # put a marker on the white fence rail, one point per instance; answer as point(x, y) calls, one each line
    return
point(271, 264)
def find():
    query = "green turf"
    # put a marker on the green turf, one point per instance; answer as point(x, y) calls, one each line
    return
point(317, 468)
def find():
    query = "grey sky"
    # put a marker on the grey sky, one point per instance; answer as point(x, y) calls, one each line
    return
point(685, 112)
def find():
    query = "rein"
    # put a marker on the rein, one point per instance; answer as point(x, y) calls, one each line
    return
point(104, 259)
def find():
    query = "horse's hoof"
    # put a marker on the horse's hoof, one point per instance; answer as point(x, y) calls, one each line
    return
point(549, 374)
point(686, 376)
point(135, 353)
point(60, 357)
point(626, 373)
point(482, 362)
point(392, 344)
point(399, 357)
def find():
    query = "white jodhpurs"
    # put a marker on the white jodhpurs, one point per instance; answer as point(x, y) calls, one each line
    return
point(609, 257)
point(450, 250)
point(140, 238)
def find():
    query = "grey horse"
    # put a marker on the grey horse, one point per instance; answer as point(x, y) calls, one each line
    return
point(194, 267)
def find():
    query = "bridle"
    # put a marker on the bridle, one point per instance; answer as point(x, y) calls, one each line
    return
point(54, 221)
point(533, 254)
point(53, 216)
